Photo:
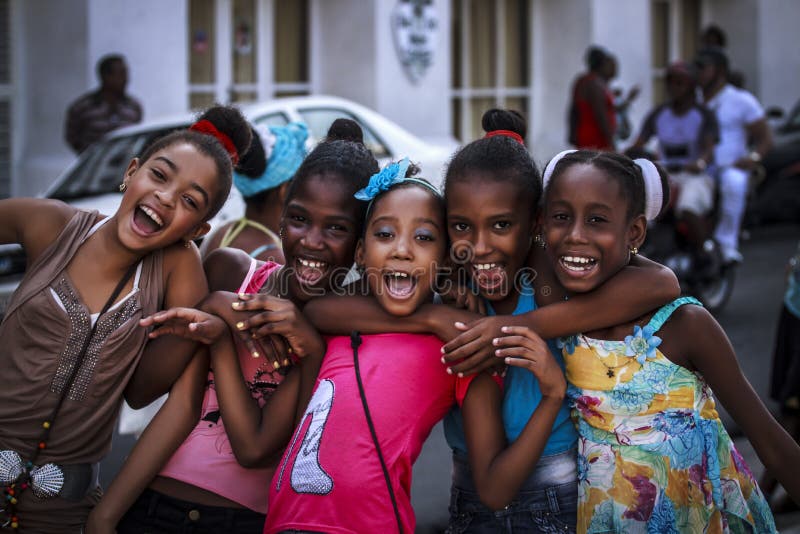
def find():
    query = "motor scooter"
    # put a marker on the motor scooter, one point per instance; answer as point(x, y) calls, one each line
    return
point(696, 260)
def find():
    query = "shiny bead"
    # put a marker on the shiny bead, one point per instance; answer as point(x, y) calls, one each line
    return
point(14, 524)
point(42, 444)
point(11, 492)
point(23, 486)
point(13, 500)
point(194, 515)
point(46, 424)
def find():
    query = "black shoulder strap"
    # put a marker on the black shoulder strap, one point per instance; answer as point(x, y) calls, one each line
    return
point(355, 342)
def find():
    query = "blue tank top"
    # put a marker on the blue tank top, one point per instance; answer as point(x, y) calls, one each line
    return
point(521, 397)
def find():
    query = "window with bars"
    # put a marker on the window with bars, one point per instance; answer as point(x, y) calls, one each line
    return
point(249, 70)
point(491, 61)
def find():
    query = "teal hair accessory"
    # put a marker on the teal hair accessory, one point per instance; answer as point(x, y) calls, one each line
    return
point(391, 175)
point(285, 148)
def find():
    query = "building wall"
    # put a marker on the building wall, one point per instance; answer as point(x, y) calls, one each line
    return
point(422, 107)
point(152, 35)
point(778, 66)
point(343, 50)
point(51, 75)
point(561, 33)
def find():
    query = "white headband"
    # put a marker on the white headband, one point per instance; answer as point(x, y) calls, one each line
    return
point(548, 170)
point(653, 191)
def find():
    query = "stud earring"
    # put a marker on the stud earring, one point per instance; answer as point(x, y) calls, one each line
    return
point(122, 187)
point(634, 251)
point(539, 240)
point(281, 233)
point(187, 244)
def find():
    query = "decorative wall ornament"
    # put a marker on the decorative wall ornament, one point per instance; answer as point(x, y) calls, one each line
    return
point(415, 25)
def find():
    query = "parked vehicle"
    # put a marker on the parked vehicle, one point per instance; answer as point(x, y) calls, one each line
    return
point(92, 180)
point(776, 198)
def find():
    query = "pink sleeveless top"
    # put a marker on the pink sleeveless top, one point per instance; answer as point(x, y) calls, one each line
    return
point(205, 459)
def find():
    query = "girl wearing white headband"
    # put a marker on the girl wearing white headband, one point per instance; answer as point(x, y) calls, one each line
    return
point(652, 452)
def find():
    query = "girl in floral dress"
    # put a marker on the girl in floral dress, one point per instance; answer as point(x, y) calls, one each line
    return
point(653, 453)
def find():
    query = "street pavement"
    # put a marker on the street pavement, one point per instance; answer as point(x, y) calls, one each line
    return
point(749, 319)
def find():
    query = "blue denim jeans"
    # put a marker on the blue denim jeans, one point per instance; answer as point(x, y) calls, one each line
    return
point(156, 513)
point(547, 501)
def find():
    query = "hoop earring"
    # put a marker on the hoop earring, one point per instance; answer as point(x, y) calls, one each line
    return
point(122, 187)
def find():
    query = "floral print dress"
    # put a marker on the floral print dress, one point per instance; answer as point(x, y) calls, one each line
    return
point(653, 455)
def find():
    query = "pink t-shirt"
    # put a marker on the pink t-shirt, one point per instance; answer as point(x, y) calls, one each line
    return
point(330, 478)
point(205, 459)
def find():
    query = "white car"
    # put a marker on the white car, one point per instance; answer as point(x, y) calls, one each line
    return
point(92, 181)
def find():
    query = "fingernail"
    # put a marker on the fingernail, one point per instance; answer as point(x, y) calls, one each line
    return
point(442, 350)
point(442, 360)
point(496, 341)
point(449, 371)
point(286, 362)
point(289, 350)
point(242, 295)
point(508, 361)
point(240, 325)
point(256, 354)
point(504, 329)
point(460, 375)
point(459, 324)
point(253, 335)
point(497, 352)
point(236, 305)
point(276, 365)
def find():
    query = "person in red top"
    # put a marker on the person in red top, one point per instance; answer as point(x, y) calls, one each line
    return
point(592, 116)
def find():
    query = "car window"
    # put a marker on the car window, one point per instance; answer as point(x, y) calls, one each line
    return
point(273, 119)
point(319, 120)
point(102, 168)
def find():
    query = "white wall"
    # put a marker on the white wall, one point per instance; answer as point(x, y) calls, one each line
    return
point(423, 107)
point(561, 34)
point(778, 67)
point(51, 51)
point(152, 35)
point(343, 50)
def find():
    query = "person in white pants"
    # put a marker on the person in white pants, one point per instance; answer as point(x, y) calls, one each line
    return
point(742, 125)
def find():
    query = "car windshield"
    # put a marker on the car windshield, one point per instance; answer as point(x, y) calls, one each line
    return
point(100, 170)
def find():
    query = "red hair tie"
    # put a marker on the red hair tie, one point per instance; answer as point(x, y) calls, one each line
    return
point(507, 133)
point(205, 126)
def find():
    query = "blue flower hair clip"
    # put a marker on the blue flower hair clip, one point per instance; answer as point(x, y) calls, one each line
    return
point(393, 173)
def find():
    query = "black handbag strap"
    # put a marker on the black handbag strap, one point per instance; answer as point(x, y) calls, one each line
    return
point(355, 342)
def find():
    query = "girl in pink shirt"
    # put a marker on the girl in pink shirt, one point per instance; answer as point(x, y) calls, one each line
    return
point(376, 398)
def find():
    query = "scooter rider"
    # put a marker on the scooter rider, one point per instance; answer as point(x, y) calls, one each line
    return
point(741, 118)
point(686, 132)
